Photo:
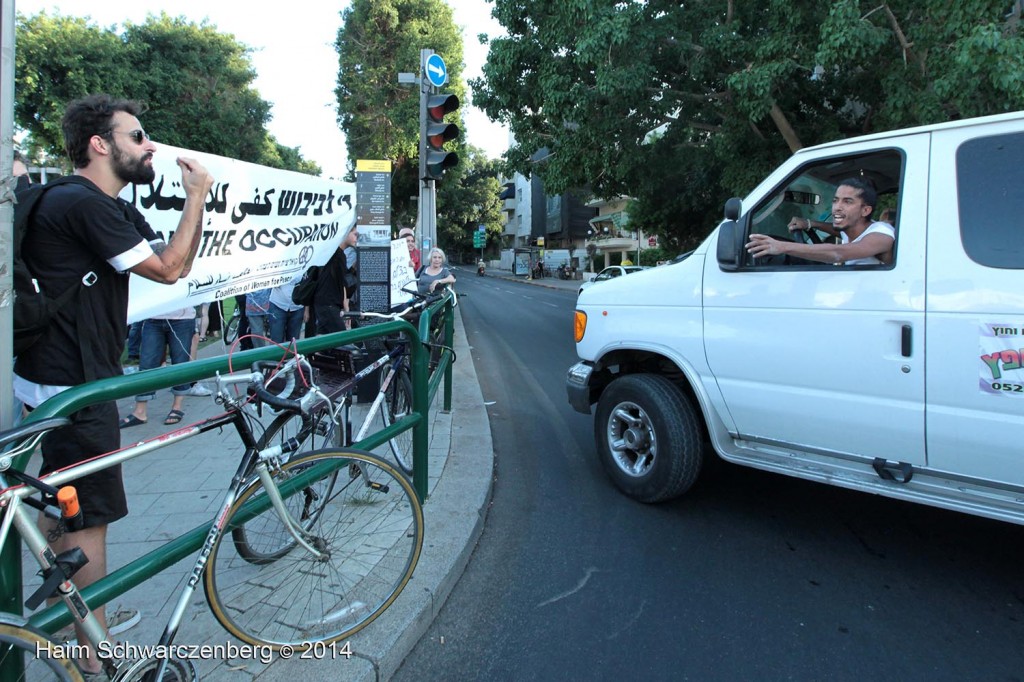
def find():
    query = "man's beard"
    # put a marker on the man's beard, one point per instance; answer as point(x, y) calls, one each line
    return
point(132, 171)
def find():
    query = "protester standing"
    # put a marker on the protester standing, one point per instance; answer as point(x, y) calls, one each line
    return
point(82, 230)
point(168, 334)
point(335, 285)
point(257, 307)
point(286, 316)
point(409, 236)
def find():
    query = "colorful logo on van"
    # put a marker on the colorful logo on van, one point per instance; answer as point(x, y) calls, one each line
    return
point(1002, 360)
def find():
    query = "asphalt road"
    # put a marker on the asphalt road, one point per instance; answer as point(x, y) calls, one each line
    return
point(749, 576)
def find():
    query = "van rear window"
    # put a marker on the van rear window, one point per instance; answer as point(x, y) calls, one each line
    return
point(990, 192)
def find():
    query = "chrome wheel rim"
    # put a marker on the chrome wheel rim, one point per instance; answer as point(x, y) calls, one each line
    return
point(631, 439)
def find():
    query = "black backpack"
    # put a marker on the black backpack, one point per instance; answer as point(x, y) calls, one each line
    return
point(33, 309)
point(303, 292)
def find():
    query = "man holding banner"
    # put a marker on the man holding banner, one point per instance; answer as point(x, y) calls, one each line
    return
point(82, 235)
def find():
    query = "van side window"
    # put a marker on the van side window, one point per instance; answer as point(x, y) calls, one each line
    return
point(990, 195)
point(805, 198)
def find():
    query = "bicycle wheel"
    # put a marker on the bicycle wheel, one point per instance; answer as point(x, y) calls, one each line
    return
point(397, 404)
point(369, 534)
point(231, 329)
point(436, 343)
point(33, 655)
point(264, 538)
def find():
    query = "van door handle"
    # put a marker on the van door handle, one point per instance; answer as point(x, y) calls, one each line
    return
point(905, 341)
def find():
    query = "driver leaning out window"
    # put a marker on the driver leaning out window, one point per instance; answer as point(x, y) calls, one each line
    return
point(863, 241)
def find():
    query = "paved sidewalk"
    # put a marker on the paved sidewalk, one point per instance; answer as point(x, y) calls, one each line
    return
point(178, 488)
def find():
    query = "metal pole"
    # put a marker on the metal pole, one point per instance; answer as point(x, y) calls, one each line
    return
point(10, 553)
point(6, 209)
point(427, 210)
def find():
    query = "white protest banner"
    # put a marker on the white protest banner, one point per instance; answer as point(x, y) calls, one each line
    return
point(261, 227)
point(402, 273)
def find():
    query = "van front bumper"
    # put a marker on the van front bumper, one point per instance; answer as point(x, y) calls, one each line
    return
point(577, 385)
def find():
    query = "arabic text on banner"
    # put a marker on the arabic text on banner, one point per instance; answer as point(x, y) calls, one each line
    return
point(261, 227)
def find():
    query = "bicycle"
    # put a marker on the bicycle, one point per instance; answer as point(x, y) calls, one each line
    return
point(395, 394)
point(264, 539)
point(354, 523)
point(393, 398)
point(231, 326)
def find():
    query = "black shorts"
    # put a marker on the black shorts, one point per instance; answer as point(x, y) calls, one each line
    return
point(93, 431)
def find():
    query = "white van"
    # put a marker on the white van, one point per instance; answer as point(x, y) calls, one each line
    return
point(904, 379)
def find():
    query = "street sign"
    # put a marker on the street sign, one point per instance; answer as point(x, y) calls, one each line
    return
point(437, 72)
point(479, 240)
point(481, 228)
point(652, 242)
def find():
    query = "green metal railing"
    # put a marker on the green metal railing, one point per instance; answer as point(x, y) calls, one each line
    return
point(138, 571)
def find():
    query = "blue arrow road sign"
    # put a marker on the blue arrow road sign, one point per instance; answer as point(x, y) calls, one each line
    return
point(437, 72)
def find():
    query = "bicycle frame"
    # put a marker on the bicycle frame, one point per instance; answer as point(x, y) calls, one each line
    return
point(137, 571)
point(11, 504)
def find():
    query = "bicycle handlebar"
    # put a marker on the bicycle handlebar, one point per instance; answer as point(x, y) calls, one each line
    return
point(424, 301)
point(257, 381)
point(260, 389)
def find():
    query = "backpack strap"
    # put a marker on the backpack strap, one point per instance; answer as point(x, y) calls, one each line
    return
point(29, 198)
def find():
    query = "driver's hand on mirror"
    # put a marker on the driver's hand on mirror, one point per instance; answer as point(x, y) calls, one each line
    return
point(763, 245)
point(798, 224)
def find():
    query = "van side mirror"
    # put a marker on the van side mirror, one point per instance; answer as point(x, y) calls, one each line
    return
point(730, 237)
point(733, 208)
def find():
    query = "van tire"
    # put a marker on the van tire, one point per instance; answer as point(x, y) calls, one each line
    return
point(661, 444)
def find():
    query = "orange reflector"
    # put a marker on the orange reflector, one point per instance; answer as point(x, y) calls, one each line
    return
point(580, 324)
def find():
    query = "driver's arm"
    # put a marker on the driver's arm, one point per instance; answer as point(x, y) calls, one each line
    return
point(799, 224)
point(871, 245)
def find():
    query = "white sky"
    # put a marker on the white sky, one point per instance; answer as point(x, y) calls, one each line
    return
point(297, 40)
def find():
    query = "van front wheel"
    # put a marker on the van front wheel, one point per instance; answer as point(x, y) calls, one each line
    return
point(648, 437)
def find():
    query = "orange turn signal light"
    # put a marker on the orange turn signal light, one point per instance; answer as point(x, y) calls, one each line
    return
point(580, 325)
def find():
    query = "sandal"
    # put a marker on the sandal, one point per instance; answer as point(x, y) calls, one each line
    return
point(202, 339)
point(173, 417)
point(131, 420)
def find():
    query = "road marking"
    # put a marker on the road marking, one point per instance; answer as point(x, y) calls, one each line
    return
point(579, 586)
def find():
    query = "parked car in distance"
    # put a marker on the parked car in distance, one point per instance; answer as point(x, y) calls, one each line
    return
point(611, 272)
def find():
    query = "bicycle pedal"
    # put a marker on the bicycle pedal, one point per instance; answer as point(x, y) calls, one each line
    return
point(379, 487)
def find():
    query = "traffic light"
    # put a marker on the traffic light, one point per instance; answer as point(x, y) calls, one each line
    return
point(434, 132)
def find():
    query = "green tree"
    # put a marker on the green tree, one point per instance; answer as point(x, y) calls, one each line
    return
point(681, 107)
point(196, 81)
point(380, 118)
point(469, 203)
point(276, 155)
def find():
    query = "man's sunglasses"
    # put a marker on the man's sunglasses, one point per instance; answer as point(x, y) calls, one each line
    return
point(138, 135)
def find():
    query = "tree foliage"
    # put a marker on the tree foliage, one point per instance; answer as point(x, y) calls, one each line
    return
point(681, 105)
point(471, 202)
point(380, 118)
point(196, 81)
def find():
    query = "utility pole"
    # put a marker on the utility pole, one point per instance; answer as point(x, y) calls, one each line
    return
point(6, 210)
point(427, 207)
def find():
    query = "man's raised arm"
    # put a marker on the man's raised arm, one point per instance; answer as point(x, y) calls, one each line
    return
point(175, 261)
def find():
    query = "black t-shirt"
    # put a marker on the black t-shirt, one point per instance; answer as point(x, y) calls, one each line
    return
point(77, 229)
